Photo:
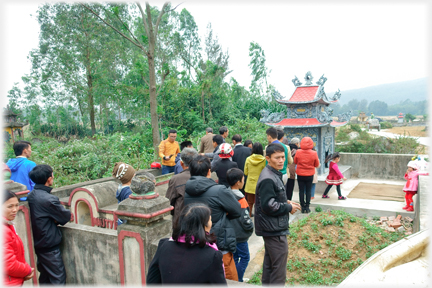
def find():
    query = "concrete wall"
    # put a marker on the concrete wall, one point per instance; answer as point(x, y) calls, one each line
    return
point(421, 210)
point(376, 165)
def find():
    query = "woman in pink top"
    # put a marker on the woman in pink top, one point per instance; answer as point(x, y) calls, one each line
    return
point(411, 185)
point(335, 177)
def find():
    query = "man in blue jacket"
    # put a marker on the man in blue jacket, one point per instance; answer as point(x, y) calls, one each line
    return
point(20, 166)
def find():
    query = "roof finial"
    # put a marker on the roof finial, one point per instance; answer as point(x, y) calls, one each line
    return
point(322, 80)
point(296, 81)
point(308, 78)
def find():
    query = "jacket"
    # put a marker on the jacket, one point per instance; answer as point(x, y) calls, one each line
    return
point(253, 167)
point(46, 213)
point(291, 167)
point(271, 207)
point(206, 145)
point(175, 263)
point(241, 153)
point(412, 180)
point(20, 169)
point(167, 148)
point(176, 192)
point(123, 193)
point(305, 158)
point(288, 159)
point(220, 200)
point(178, 168)
point(243, 225)
point(221, 167)
point(15, 266)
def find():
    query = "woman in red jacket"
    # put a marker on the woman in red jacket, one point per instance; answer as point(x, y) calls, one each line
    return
point(306, 160)
point(16, 269)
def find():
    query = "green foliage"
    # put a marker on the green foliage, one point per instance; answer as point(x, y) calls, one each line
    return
point(356, 127)
point(409, 117)
point(318, 208)
point(386, 125)
point(342, 253)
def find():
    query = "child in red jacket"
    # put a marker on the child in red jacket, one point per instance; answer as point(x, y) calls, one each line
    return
point(335, 177)
point(411, 185)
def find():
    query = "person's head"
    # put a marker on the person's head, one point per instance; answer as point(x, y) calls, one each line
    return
point(194, 224)
point(257, 148)
point(185, 144)
point(123, 172)
point(236, 139)
point(217, 140)
point(22, 148)
point(172, 135)
point(186, 156)
point(235, 178)
point(412, 165)
point(200, 166)
point(271, 134)
point(223, 131)
point(10, 205)
point(335, 157)
point(248, 143)
point(295, 141)
point(209, 130)
point(225, 151)
point(275, 155)
point(280, 134)
point(42, 174)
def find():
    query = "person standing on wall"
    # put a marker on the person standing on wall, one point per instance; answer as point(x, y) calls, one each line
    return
point(167, 149)
point(272, 216)
point(206, 145)
point(20, 166)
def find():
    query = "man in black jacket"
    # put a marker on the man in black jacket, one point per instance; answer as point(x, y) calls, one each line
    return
point(201, 188)
point(240, 154)
point(272, 216)
point(46, 213)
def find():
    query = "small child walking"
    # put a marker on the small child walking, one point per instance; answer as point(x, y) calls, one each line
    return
point(411, 185)
point(243, 225)
point(335, 177)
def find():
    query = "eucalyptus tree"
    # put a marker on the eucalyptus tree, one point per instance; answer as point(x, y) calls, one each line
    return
point(259, 70)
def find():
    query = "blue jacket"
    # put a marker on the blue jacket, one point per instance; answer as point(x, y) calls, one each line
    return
point(20, 169)
point(122, 194)
point(177, 168)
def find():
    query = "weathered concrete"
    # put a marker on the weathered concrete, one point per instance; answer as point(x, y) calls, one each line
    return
point(14, 186)
point(376, 165)
point(421, 207)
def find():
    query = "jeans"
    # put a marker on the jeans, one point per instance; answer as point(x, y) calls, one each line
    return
point(313, 190)
point(305, 186)
point(167, 169)
point(241, 259)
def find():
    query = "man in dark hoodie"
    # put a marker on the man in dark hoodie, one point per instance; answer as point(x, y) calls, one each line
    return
point(20, 166)
point(201, 188)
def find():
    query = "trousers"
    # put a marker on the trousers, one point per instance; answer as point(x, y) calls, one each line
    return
point(230, 267)
point(51, 268)
point(305, 187)
point(408, 197)
point(241, 259)
point(290, 188)
point(275, 260)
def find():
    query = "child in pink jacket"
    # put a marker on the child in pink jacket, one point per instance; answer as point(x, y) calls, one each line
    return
point(411, 185)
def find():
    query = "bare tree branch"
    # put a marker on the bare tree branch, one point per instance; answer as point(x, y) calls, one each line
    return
point(144, 19)
point(173, 8)
point(160, 16)
point(133, 42)
point(163, 80)
point(142, 76)
point(124, 24)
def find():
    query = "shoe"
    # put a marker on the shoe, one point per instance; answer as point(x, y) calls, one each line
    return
point(312, 198)
point(341, 198)
point(245, 279)
point(325, 196)
point(405, 207)
point(308, 210)
point(303, 211)
point(410, 209)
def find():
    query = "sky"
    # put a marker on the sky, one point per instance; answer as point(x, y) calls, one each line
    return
point(354, 44)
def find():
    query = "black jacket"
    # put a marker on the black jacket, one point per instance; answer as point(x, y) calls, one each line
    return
point(240, 154)
point(271, 207)
point(221, 167)
point(175, 263)
point(220, 200)
point(243, 225)
point(46, 213)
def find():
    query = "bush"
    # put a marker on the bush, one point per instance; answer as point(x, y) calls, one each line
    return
point(386, 125)
point(356, 127)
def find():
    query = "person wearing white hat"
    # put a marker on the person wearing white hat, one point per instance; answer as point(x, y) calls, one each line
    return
point(411, 185)
point(221, 167)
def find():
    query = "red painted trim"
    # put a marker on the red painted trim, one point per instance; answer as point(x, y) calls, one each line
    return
point(22, 192)
point(84, 190)
point(144, 197)
point(93, 220)
point(105, 211)
point(162, 183)
point(145, 216)
point(11, 181)
point(29, 240)
point(140, 241)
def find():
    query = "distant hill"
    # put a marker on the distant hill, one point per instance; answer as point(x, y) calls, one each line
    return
point(392, 93)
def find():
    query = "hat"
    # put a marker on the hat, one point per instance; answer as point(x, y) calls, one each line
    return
point(225, 151)
point(413, 164)
point(155, 165)
point(123, 172)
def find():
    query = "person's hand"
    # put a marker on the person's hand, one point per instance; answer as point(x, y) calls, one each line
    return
point(28, 277)
point(295, 206)
point(202, 154)
point(344, 178)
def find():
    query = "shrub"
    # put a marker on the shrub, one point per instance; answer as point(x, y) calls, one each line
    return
point(386, 125)
point(356, 127)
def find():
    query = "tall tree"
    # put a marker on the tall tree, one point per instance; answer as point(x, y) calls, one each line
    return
point(259, 70)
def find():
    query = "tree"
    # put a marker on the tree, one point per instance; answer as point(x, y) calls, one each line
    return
point(378, 107)
point(259, 70)
point(409, 117)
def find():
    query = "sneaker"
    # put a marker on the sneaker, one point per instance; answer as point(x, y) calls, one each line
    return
point(308, 210)
point(411, 209)
point(325, 196)
point(405, 207)
point(312, 198)
point(245, 279)
point(342, 198)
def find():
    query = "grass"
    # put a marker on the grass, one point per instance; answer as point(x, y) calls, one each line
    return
point(325, 247)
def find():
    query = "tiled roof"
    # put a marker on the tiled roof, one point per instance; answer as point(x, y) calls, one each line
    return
point(336, 124)
point(299, 122)
point(304, 94)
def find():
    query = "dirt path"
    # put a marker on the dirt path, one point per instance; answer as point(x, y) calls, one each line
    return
point(415, 131)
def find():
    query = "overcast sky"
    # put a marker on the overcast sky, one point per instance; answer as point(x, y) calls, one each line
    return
point(355, 44)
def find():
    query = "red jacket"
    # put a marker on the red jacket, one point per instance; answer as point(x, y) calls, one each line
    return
point(15, 266)
point(305, 158)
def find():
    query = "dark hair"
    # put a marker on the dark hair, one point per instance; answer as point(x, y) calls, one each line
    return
point(257, 148)
point(223, 129)
point(272, 132)
point(332, 156)
point(280, 134)
point(8, 195)
point(185, 144)
point(19, 147)
point(172, 131)
point(273, 148)
point(193, 218)
point(218, 139)
point(209, 130)
point(247, 143)
point(40, 173)
point(234, 175)
point(199, 166)
point(237, 138)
